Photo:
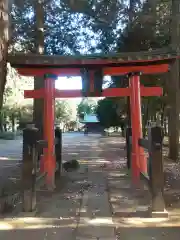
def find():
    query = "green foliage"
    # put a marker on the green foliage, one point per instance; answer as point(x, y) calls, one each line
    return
point(154, 25)
point(71, 27)
point(107, 113)
point(63, 111)
point(15, 108)
point(11, 116)
point(7, 135)
point(72, 124)
point(86, 106)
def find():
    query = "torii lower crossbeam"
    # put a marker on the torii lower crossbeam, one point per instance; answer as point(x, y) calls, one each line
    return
point(109, 92)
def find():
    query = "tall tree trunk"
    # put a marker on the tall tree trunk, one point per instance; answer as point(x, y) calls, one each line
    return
point(38, 113)
point(174, 86)
point(38, 81)
point(13, 122)
point(146, 116)
point(4, 41)
point(174, 112)
point(1, 123)
point(166, 126)
point(131, 15)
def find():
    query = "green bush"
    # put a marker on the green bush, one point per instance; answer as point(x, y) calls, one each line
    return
point(7, 135)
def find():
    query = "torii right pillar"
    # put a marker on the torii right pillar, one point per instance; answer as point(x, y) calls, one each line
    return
point(139, 161)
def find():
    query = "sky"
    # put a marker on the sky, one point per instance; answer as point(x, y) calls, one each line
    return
point(66, 83)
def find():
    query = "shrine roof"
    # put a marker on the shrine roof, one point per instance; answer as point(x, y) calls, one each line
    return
point(153, 57)
point(90, 118)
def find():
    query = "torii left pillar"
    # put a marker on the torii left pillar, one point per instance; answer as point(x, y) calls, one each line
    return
point(49, 111)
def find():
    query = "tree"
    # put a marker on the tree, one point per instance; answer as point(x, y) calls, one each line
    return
point(108, 115)
point(101, 18)
point(174, 88)
point(63, 111)
point(14, 104)
point(38, 112)
point(4, 42)
point(72, 125)
point(155, 26)
point(86, 106)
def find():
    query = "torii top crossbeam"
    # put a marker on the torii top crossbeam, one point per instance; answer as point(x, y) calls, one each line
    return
point(113, 64)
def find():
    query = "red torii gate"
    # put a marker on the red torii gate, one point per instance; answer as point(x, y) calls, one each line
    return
point(51, 69)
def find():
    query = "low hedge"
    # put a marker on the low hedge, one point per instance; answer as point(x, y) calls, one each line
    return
point(9, 135)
